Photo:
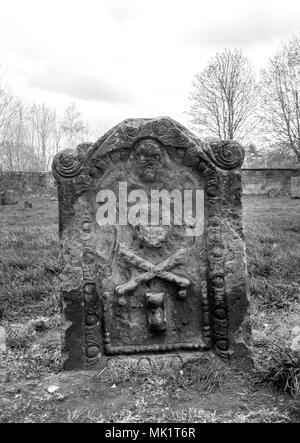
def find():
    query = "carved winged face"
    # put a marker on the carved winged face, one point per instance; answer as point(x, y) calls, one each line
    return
point(148, 158)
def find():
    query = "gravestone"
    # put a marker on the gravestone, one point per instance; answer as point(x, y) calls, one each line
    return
point(273, 192)
point(27, 205)
point(8, 198)
point(152, 247)
point(295, 187)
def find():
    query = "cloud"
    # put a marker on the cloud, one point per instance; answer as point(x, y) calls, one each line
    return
point(122, 11)
point(30, 52)
point(80, 85)
point(253, 29)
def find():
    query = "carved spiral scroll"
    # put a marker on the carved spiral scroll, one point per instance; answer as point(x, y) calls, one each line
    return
point(68, 163)
point(226, 154)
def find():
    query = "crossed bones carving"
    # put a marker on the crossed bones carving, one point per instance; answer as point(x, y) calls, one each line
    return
point(161, 270)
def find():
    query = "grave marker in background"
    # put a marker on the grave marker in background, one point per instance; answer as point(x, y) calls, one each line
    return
point(295, 187)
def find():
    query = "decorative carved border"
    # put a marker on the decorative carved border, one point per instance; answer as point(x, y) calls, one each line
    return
point(92, 314)
point(216, 274)
point(215, 327)
point(70, 163)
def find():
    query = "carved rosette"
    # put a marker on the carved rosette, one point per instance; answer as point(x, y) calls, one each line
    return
point(68, 163)
point(131, 131)
point(161, 127)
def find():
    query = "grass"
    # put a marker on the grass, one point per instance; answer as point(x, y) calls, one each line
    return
point(29, 310)
point(29, 261)
point(204, 374)
point(282, 371)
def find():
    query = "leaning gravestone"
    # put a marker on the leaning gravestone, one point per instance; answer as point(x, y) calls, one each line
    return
point(153, 251)
point(295, 187)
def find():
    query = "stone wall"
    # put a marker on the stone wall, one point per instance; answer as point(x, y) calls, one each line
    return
point(27, 182)
point(259, 181)
point(255, 181)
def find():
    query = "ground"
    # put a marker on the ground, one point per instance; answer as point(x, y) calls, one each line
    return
point(32, 388)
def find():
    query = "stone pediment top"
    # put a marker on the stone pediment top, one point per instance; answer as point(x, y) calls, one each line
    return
point(217, 155)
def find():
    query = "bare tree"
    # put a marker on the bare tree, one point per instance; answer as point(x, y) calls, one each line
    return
point(95, 131)
point(222, 97)
point(31, 134)
point(44, 122)
point(280, 91)
point(57, 134)
point(73, 127)
point(15, 150)
point(8, 112)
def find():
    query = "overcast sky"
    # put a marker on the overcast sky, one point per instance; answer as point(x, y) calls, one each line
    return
point(130, 58)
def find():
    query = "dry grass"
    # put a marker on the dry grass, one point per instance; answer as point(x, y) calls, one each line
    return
point(281, 371)
point(143, 413)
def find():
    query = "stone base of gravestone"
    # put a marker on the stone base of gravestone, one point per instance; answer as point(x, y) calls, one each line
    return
point(295, 187)
point(164, 362)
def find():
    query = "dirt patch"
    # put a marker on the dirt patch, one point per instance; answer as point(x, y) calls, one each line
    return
point(81, 395)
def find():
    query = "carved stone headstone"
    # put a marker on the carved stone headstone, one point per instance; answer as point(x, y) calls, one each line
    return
point(153, 251)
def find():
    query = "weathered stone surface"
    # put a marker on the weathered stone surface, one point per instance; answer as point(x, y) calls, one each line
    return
point(130, 287)
point(295, 187)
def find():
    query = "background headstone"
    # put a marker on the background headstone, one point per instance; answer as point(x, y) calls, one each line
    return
point(27, 205)
point(295, 187)
point(8, 198)
point(273, 193)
